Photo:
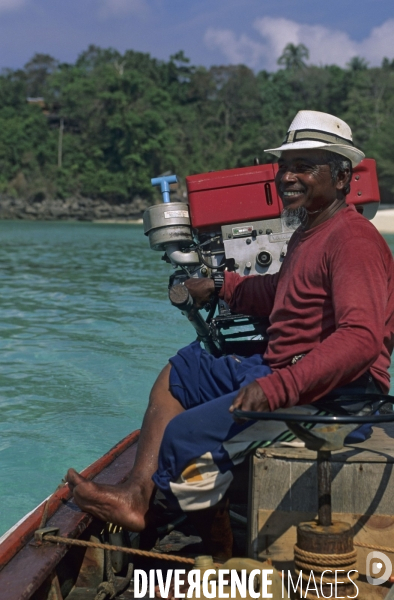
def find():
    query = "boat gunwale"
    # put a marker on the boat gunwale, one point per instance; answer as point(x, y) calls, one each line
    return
point(20, 534)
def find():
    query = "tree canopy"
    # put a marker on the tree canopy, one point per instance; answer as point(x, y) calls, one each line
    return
point(102, 127)
point(294, 56)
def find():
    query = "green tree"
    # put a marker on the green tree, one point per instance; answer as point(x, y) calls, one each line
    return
point(294, 56)
point(128, 117)
point(357, 63)
point(37, 71)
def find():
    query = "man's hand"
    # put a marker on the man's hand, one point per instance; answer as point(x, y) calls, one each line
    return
point(201, 290)
point(250, 397)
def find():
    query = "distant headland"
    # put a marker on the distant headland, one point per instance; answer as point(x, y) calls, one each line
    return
point(71, 209)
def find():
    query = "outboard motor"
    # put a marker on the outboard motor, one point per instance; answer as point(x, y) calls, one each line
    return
point(232, 221)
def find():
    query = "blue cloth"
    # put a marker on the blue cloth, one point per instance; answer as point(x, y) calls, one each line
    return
point(198, 377)
point(206, 387)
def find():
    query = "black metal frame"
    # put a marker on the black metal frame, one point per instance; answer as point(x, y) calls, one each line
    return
point(376, 401)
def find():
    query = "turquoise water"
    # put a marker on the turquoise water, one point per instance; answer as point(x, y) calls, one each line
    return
point(85, 327)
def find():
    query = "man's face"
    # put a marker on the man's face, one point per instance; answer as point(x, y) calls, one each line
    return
point(304, 180)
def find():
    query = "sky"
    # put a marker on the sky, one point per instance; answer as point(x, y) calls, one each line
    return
point(210, 32)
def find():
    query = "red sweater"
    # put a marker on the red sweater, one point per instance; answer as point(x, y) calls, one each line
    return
point(332, 299)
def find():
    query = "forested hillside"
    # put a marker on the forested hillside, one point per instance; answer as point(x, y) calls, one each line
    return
point(110, 122)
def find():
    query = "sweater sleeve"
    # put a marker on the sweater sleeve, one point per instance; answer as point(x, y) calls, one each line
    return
point(250, 295)
point(359, 283)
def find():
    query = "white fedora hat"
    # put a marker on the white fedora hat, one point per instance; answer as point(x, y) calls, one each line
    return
point(313, 129)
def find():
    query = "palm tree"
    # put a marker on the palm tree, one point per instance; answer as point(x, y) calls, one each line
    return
point(293, 56)
point(357, 63)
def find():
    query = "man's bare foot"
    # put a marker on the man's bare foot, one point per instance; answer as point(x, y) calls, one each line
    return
point(123, 504)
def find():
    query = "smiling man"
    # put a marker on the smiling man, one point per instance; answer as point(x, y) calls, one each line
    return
point(331, 310)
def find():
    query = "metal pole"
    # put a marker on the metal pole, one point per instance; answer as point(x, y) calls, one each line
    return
point(324, 487)
point(180, 297)
point(60, 144)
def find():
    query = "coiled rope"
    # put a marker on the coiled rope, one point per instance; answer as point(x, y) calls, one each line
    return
point(321, 563)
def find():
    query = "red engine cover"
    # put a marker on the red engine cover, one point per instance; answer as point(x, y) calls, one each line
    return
point(249, 194)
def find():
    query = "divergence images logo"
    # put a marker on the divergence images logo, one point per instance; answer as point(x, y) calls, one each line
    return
point(375, 563)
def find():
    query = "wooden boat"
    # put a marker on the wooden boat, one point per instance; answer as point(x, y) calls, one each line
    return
point(31, 567)
point(270, 496)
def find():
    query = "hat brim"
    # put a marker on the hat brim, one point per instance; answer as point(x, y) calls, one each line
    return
point(353, 154)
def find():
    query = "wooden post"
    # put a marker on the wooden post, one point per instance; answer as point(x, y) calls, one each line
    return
point(324, 488)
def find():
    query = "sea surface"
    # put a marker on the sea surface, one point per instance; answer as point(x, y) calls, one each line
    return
point(85, 327)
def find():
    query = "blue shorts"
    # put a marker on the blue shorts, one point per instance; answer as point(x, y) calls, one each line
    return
point(201, 446)
point(198, 377)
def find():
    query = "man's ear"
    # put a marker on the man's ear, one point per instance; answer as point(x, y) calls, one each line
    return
point(343, 179)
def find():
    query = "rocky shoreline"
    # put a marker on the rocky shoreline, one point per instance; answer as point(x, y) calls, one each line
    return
point(71, 209)
point(88, 209)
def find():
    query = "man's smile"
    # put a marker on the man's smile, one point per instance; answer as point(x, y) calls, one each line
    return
point(289, 194)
